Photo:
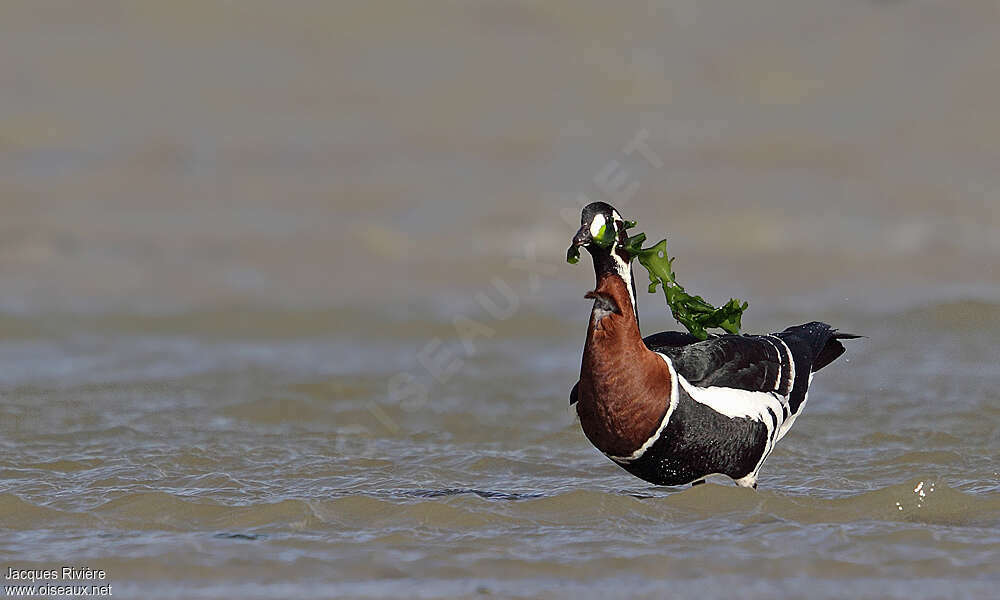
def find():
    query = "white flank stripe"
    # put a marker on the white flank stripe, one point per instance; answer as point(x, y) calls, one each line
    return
point(791, 364)
point(674, 397)
point(791, 418)
point(777, 380)
point(734, 402)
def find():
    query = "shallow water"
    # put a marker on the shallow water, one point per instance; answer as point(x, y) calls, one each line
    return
point(212, 465)
point(229, 362)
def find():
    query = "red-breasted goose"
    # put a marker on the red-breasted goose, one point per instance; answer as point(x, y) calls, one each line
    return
point(669, 408)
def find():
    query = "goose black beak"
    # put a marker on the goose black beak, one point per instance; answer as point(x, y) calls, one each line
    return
point(582, 238)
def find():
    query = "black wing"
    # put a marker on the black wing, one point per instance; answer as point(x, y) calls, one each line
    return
point(669, 339)
point(745, 362)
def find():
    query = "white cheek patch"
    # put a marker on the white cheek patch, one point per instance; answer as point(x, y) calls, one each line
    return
point(596, 224)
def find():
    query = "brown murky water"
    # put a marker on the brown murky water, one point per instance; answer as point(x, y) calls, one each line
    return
point(236, 240)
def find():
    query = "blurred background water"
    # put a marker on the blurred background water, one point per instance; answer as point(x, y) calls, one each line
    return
point(284, 310)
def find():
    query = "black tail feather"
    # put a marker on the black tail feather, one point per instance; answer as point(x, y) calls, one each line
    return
point(832, 350)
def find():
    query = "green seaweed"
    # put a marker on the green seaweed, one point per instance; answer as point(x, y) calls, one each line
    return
point(693, 312)
point(573, 255)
